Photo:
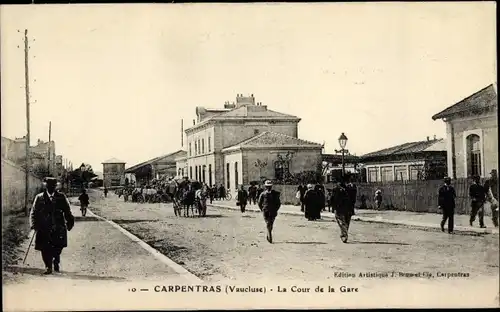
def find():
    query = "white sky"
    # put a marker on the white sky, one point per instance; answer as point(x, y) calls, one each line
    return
point(115, 80)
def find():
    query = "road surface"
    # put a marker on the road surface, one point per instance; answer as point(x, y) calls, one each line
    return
point(393, 265)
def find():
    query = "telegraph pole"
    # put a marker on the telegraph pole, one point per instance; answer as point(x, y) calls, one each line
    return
point(27, 89)
point(50, 140)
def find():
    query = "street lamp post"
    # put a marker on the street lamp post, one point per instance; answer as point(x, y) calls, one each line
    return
point(343, 151)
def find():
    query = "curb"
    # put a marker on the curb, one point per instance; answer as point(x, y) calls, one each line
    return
point(459, 229)
point(158, 255)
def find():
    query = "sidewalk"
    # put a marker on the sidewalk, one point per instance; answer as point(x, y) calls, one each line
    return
point(98, 269)
point(421, 220)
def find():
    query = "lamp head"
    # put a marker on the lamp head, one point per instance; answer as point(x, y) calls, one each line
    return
point(343, 140)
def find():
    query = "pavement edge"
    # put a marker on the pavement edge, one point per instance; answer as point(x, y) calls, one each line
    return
point(158, 255)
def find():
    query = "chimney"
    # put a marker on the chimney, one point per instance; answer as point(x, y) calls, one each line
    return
point(194, 123)
point(427, 138)
point(252, 94)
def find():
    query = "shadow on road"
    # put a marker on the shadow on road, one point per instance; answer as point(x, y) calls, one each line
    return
point(380, 243)
point(120, 221)
point(86, 219)
point(214, 216)
point(72, 275)
point(301, 243)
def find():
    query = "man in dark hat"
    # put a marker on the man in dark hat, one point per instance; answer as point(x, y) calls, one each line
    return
point(269, 203)
point(477, 194)
point(446, 203)
point(342, 206)
point(491, 188)
point(51, 218)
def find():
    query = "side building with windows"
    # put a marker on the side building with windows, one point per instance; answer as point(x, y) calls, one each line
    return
point(472, 134)
point(422, 160)
point(245, 142)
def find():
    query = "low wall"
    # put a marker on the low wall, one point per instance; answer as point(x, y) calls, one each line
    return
point(15, 225)
point(13, 187)
point(414, 196)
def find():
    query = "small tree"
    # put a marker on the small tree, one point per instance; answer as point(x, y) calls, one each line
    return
point(40, 170)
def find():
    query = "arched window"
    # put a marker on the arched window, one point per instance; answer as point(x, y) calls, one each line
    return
point(203, 173)
point(191, 172)
point(473, 155)
point(210, 175)
point(209, 143)
point(236, 174)
point(203, 146)
point(195, 148)
point(196, 172)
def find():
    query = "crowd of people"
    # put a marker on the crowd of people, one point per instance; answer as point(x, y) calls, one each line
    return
point(51, 216)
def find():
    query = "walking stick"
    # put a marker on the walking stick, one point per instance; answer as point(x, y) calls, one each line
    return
point(29, 246)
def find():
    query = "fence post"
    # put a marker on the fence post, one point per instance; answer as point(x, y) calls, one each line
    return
point(404, 191)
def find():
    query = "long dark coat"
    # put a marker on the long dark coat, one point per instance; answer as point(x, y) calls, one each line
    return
point(311, 203)
point(341, 202)
point(51, 220)
point(446, 198)
point(242, 197)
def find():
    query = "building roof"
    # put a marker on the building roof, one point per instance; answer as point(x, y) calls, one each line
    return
point(484, 98)
point(151, 161)
point(113, 161)
point(437, 145)
point(247, 112)
point(273, 139)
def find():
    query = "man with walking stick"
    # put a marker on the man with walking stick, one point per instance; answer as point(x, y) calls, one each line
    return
point(51, 218)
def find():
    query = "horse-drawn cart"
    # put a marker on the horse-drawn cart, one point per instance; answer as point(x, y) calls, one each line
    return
point(190, 196)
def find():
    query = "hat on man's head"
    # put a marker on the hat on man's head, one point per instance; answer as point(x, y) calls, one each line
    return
point(268, 183)
point(493, 171)
point(50, 180)
point(447, 179)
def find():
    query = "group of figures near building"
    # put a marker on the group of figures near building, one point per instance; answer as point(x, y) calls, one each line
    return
point(340, 200)
point(479, 196)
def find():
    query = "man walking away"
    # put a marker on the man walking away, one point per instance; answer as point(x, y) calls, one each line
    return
point(222, 192)
point(269, 204)
point(242, 198)
point(478, 196)
point(252, 194)
point(329, 200)
point(446, 203)
point(320, 192)
point(343, 209)
point(302, 191)
point(352, 191)
point(51, 218)
point(378, 198)
point(84, 202)
point(105, 192)
point(310, 202)
point(213, 193)
point(491, 188)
